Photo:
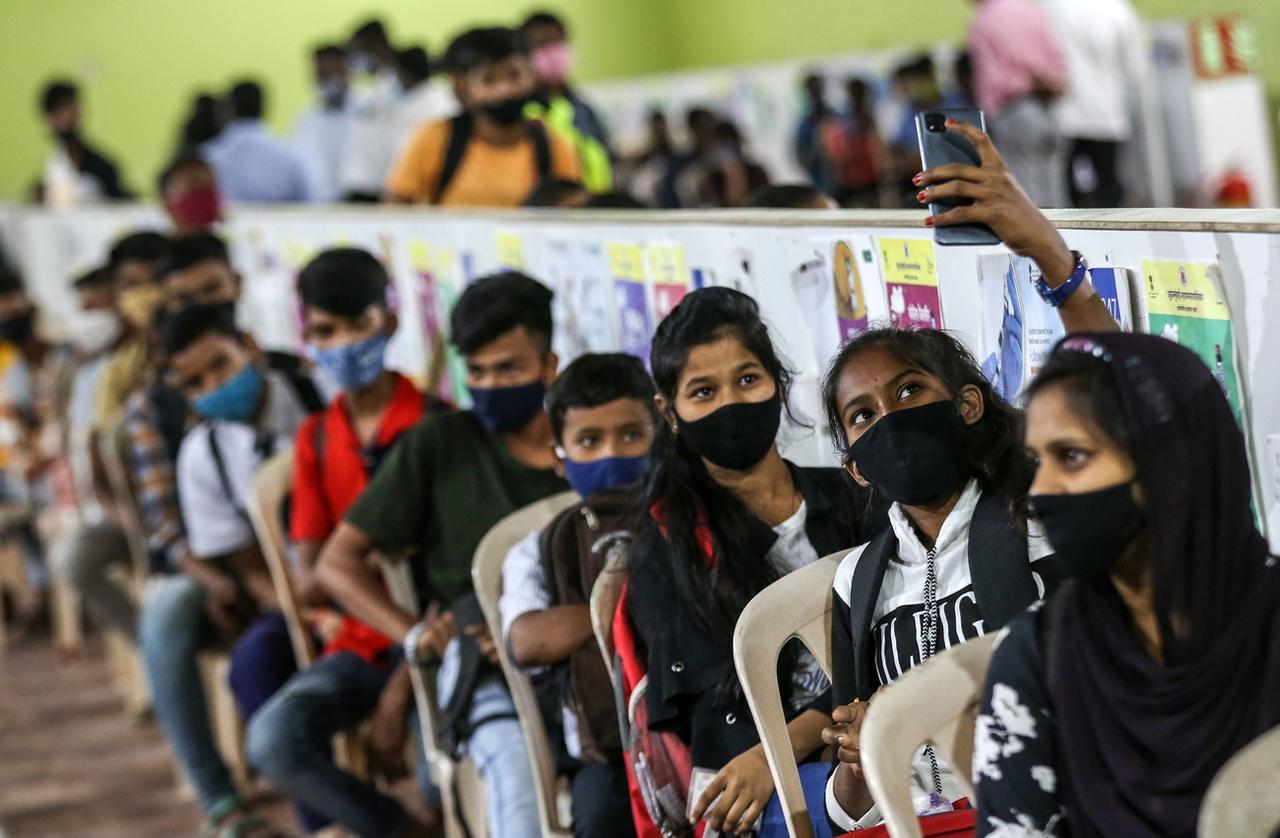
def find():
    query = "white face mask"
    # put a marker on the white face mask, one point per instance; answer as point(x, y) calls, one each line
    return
point(94, 331)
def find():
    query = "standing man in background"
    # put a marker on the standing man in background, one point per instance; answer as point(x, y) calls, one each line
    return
point(376, 92)
point(251, 165)
point(75, 172)
point(1019, 72)
point(490, 155)
point(559, 105)
point(1103, 42)
point(320, 134)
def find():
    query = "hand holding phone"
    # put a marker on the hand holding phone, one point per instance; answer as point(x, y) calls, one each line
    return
point(987, 195)
point(942, 148)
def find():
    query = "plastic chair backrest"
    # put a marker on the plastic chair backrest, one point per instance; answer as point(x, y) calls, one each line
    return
point(113, 451)
point(604, 603)
point(1240, 801)
point(486, 575)
point(445, 770)
point(270, 488)
point(790, 607)
point(934, 703)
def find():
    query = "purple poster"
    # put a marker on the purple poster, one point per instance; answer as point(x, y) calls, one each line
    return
point(635, 330)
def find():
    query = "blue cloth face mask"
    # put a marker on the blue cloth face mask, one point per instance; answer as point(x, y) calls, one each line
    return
point(505, 409)
point(356, 365)
point(602, 475)
point(236, 400)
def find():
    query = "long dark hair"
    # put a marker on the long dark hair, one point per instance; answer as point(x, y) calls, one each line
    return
point(993, 444)
point(720, 588)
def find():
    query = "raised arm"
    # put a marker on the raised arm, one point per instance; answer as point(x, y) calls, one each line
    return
point(1000, 203)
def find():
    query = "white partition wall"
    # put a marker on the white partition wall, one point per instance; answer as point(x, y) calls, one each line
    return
point(1209, 279)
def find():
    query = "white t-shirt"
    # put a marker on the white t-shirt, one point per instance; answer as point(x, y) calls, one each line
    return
point(793, 551)
point(216, 521)
point(1103, 43)
point(896, 625)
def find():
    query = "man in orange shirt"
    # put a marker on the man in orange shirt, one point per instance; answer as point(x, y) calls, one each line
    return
point(490, 155)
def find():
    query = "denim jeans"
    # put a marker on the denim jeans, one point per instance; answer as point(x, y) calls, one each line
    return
point(289, 742)
point(601, 804)
point(171, 632)
point(813, 780)
point(262, 663)
point(85, 561)
point(498, 750)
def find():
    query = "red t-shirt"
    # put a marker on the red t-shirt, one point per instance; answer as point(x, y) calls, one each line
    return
point(323, 491)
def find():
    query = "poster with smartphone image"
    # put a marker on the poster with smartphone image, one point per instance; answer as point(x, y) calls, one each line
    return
point(1186, 304)
point(911, 282)
point(1019, 328)
point(838, 287)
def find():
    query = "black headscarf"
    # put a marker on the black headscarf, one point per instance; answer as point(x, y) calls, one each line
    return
point(1140, 740)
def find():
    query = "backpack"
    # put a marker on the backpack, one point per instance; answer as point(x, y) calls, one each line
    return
point(659, 765)
point(461, 129)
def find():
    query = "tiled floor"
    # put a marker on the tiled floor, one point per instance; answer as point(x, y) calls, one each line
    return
point(73, 764)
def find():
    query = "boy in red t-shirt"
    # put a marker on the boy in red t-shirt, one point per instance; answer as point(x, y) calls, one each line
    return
point(347, 327)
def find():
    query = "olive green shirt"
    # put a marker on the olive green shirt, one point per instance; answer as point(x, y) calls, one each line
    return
point(446, 482)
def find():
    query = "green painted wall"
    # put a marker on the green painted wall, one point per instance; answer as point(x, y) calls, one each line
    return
point(141, 60)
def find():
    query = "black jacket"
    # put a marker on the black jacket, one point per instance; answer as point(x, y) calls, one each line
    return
point(685, 665)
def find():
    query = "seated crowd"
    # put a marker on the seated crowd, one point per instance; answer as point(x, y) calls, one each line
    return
point(1107, 530)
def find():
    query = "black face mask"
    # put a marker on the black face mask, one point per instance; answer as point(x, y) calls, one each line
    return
point(506, 111)
point(737, 436)
point(1090, 531)
point(916, 455)
point(17, 329)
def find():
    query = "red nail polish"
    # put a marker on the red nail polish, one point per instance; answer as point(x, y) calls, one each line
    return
point(922, 196)
point(928, 222)
point(916, 180)
point(952, 122)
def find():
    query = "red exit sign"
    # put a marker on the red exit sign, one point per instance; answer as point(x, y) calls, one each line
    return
point(1224, 46)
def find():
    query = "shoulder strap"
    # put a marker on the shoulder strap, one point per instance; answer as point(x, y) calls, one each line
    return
point(541, 148)
point(998, 563)
point(290, 366)
point(170, 410)
point(220, 465)
point(460, 129)
point(868, 577)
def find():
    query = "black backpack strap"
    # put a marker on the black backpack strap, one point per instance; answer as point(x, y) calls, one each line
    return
point(460, 129)
point(541, 148)
point(998, 563)
point(290, 366)
point(170, 409)
point(220, 466)
point(864, 591)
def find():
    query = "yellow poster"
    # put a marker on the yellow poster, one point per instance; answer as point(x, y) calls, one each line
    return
point(1186, 304)
point(626, 261)
point(911, 280)
point(510, 250)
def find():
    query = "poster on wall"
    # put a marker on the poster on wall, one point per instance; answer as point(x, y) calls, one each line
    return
point(1019, 328)
point(631, 299)
point(668, 272)
point(579, 274)
point(435, 297)
point(1186, 304)
point(911, 281)
point(510, 249)
point(827, 279)
point(1115, 287)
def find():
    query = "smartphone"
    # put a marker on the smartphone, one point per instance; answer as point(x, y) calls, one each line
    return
point(938, 146)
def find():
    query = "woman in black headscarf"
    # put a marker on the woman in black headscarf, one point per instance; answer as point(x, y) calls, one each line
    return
point(1109, 710)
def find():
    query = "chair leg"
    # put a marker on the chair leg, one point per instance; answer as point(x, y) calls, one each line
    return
point(228, 727)
point(68, 620)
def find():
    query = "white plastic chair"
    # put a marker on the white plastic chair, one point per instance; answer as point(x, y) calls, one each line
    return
point(797, 605)
point(936, 703)
point(486, 575)
point(271, 486)
point(461, 790)
point(604, 603)
point(1241, 800)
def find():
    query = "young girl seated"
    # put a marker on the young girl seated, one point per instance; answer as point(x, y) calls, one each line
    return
point(1109, 710)
point(914, 418)
point(729, 516)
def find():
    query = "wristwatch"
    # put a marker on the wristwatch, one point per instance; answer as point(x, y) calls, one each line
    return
point(1057, 296)
point(410, 645)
